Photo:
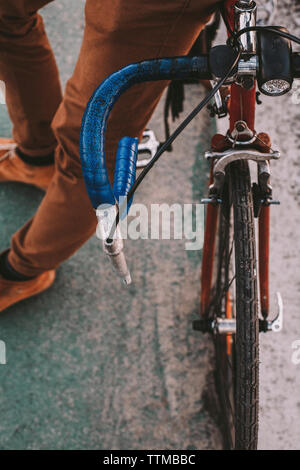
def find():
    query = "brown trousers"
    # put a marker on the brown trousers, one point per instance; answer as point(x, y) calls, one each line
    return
point(117, 32)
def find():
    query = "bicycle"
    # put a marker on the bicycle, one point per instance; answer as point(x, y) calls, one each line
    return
point(229, 306)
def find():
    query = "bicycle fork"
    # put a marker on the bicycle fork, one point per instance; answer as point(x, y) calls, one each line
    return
point(227, 149)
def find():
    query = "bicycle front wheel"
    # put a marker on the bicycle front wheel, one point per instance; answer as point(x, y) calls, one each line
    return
point(235, 296)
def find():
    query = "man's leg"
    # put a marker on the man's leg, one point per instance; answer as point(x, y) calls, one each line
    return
point(33, 93)
point(29, 72)
point(117, 33)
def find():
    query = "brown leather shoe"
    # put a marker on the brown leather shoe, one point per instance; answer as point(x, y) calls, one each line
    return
point(12, 168)
point(12, 292)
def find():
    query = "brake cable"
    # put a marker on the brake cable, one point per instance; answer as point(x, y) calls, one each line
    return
point(170, 140)
point(272, 29)
point(234, 36)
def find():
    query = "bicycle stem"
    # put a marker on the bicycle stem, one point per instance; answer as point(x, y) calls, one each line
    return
point(245, 17)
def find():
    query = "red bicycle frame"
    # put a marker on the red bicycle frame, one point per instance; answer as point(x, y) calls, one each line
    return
point(241, 107)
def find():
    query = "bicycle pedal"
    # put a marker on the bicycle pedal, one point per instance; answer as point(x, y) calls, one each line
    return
point(148, 146)
point(275, 325)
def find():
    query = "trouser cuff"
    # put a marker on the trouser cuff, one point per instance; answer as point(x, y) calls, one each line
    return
point(22, 268)
point(40, 160)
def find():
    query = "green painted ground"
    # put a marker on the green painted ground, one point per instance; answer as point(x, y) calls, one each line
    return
point(92, 364)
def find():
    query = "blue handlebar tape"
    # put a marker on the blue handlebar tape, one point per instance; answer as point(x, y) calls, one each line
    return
point(94, 123)
point(125, 169)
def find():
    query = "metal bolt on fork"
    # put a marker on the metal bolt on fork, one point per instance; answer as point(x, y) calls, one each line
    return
point(222, 325)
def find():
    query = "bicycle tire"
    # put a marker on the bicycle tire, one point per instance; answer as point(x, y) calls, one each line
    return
point(237, 367)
